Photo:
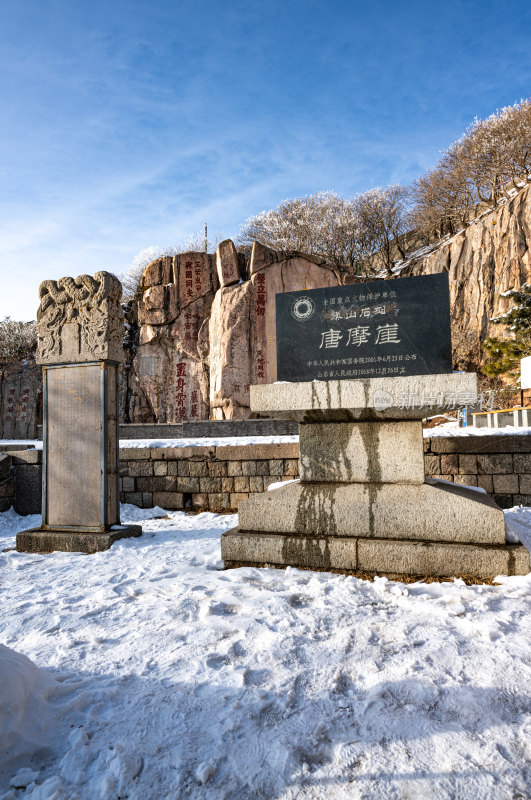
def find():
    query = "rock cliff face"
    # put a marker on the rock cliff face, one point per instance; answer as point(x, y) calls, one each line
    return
point(492, 255)
point(207, 331)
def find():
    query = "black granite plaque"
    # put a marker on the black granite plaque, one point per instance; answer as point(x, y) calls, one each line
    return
point(379, 329)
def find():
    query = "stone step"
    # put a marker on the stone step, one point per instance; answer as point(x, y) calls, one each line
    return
point(434, 511)
point(382, 556)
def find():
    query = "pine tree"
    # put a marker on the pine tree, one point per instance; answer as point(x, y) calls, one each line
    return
point(505, 354)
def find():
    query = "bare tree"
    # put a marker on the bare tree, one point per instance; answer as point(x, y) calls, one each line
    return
point(321, 224)
point(385, 215)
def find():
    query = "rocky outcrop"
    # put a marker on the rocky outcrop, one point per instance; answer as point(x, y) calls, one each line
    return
point(168, 376)
point(489, 257)
point(206, 332)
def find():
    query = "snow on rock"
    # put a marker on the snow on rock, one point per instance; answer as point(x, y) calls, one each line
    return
point(178, 679)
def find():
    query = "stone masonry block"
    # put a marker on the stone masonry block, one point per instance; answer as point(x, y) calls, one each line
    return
point(249, 467)
point(505, 484)
point(234, 468)
point(128, 484)
point(430, 558)
point(495, 464)
point(173, 467)
point(432, 465)
point(347, 400)
point(176, 453)
point(468, 465)
point(147, 500)
point(241, 484)
point(135, 498)
point(188, 485)
point(198, 469)
point(256, 484)
point(182, 468)
point(166, 483)
point(268, 480)
point(466, 480)
point(236, 498)
point(160, 468)
point(172, 501)
point(522, 461)
point(522, 499)
point(262, 468)
point(227, 485)
point(276, 467)
point(137, 469)
point(362, 452)
point(210, 485)
point(525, 484)
point(485, 482)
point(135, 454)
point(449, 464)
point(200, 500)
point(312, 552)
point(255, 452)
point(219, 500)
point(291, 466)
point(433, 511)
point(217, 469)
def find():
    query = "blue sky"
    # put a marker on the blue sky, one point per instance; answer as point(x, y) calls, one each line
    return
point(126, 124)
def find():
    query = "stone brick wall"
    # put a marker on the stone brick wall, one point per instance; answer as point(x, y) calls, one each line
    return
point(499, 464)
point(203, 477)
point(219, 477)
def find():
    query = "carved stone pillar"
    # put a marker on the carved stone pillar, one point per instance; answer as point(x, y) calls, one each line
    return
point(79, 345)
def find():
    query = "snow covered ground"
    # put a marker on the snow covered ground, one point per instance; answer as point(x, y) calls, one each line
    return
point(159, 676)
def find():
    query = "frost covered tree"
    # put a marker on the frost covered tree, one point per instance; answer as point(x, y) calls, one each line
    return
point(505, 354)
point(17, 341)
point(345, 232)
point(195, 243)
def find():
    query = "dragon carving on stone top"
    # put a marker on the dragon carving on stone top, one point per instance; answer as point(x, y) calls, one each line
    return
point(91, 303)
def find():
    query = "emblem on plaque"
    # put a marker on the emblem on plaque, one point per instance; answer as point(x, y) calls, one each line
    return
point(302, 309)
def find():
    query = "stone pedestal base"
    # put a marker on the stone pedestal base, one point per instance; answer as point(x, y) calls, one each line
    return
point(392, 558)
point(363, 505)
point(37, 540)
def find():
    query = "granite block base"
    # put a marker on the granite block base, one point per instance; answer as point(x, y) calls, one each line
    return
point(37, 540)
point(390, 558)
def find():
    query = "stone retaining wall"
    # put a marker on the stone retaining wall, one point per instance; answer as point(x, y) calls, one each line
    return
point(203, 477)
point(219, 477)
point(499, 464)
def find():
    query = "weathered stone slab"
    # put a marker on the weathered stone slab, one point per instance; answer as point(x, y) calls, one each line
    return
point(434, 511)
point(227, 263)
point(375, 452)
point(312, 552)
point(37, 540)
point(407, 397)
point(442, 559)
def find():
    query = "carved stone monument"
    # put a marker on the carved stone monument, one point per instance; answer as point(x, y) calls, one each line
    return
point(79, 345)
point(362, 503)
